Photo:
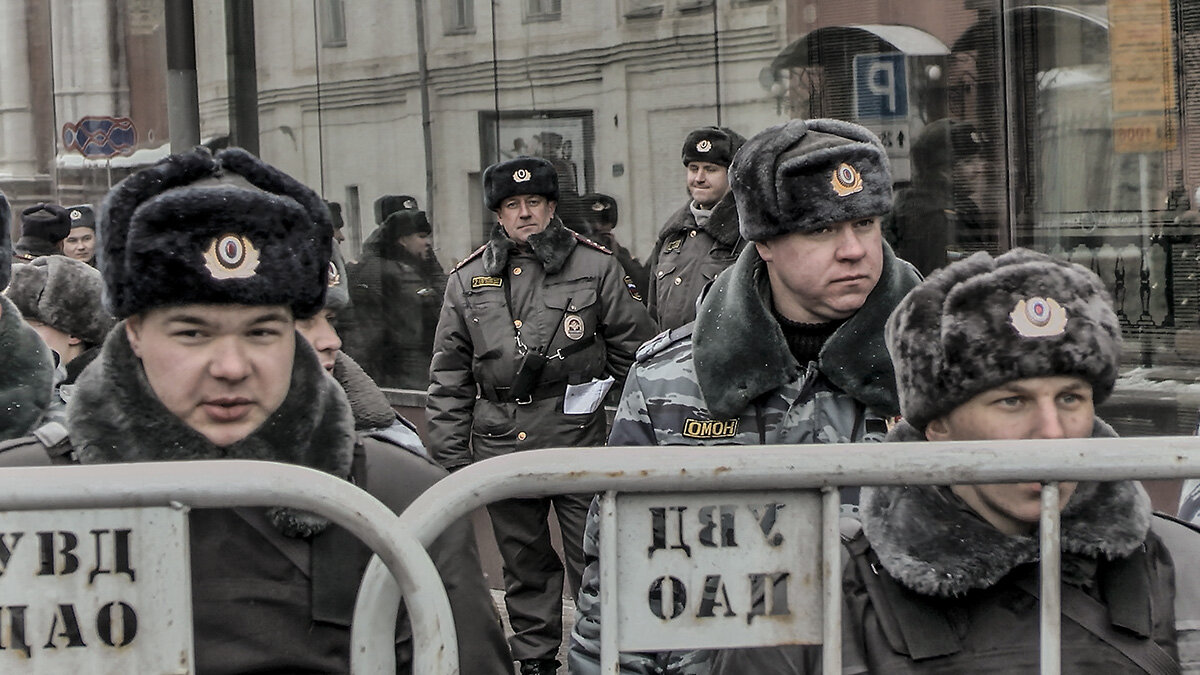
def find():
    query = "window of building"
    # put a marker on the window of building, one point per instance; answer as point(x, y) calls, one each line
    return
point(333, 23)
point(458, 16)
point(643, 9)
point(543, 10)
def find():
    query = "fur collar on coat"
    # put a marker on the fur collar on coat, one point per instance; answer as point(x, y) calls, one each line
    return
point(931, 542)
point(368, 403)
point(740, 351)
point(26, 374)
point(552, 246)
point(115, 417)
point(722, 225)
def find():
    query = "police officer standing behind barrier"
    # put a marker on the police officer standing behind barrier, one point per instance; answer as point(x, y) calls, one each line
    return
point(536, 326)
point(700, 239)
point(788, 344)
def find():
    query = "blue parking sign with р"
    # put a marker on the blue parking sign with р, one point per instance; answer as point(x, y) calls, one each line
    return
point(880, 86)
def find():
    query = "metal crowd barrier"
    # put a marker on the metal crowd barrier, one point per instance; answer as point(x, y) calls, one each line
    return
point(764, 468)
point(233, 483)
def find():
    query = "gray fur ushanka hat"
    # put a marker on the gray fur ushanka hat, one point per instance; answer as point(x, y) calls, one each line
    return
point(804, 174)
point(520, 176)
point(223, 229)
point(982, 322)
point(62, 293)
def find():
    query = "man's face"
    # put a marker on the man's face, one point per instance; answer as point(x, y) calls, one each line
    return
point(417, 243)
point(338, 235)
point(222, 369)
point(825, 275)
point(707, 183)
point(523, 215)
point(1035, 407)
point(80, 244)
point(320, 333)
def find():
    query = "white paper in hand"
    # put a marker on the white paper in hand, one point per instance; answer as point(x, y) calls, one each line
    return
point(584, 399)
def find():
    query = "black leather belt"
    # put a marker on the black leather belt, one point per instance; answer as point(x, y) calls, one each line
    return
point(541, 392)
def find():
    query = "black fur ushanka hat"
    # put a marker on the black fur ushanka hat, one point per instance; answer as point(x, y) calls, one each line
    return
point(224, 229)
point(982, 322)
point(804, 174)
point(520, 176)
point(715, 145)
point(389, 204)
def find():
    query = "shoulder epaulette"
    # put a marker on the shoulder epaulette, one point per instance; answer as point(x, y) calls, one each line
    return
point(660, 342)
point(589, 243)
point(474, 254)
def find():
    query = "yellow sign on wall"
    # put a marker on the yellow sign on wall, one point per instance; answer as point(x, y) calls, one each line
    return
point(1145, 133)
point(1143, 75)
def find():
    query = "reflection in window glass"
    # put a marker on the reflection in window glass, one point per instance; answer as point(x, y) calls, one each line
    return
point(1068, 127)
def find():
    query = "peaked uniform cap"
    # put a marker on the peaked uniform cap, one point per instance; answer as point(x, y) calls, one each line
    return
point(519, 176)
point(223, 229)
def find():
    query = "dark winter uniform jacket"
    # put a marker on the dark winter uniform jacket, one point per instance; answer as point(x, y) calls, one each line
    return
point(273, 589)
point(389, 327)
point(931, 587)
point(567, 298)
point(686, 257)
point(26, 374)
point(760, 396)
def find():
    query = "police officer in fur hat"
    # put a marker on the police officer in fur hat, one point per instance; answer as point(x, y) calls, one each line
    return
point(43, 228)
point(396, 295)
point(700, 239)
point(532, 315)
point(945, 578)
point(61, 298)
point(209, 261)
point(373, 413)
point(80, 243)
point(787, 346)
point(599, 215)
point(26, 362)
point(386, 205)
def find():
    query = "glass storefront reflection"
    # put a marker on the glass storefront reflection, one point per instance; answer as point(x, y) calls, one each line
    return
point(1068, 127)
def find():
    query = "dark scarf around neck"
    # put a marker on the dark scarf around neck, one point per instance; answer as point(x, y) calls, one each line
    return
point(931, 542)
point(552, 246)
point(741, 352)
point(114, 416)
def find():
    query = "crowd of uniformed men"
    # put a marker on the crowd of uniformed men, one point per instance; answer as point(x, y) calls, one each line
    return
point(207, 313)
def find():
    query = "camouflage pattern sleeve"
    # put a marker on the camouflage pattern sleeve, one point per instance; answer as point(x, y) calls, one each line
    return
point(632, 424)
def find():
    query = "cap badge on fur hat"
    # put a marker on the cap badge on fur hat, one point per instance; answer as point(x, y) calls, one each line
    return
point(599, 206)
point(704, 146)
point(335, 277)
point(76, 214)
point(846, 180)
point(231, 256)
point(522, 176)
point(410, 204)
point(1039, 317)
